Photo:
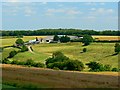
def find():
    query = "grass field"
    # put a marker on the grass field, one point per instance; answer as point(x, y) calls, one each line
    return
point(47, 78)
point(100, 52)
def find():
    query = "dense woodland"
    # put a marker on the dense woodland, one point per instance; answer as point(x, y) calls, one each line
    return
point(58, 32)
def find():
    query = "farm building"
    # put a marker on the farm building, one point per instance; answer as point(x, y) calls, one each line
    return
point(49, 39)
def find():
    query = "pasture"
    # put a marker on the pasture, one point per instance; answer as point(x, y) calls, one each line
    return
point(100, 52)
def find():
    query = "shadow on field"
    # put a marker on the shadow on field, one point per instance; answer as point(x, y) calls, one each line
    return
point(112, 55)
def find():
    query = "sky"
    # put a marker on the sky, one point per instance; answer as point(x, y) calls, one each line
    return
point(41, 15)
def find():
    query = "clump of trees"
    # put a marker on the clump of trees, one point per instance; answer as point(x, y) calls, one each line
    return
point(96, 67)
point(64, 39)
point(19, 41)
point(60, 61)
point(12, 54)
point(24, 48)
point(56, 38)
point(117, 48)
point(87, 39)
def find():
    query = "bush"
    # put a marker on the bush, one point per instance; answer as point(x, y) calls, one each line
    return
point(107, 68)
point(57, 57)
point(59, 65)
point(115, 69)
point(117, 48)
point(67, 65)
point(6, 61)
point(64, 39)
point(19, 41)
point(24, 48)
point(1, 49)
point(87, 39)
point(94, 66)
point(29, 62)
point(74, 65)
point(21, 63)
point(12, 54)
point(84, 49)
point(39, 65)
point(14, 62)
point(56, 38)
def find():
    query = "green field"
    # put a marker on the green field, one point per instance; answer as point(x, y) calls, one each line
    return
point(100, 52)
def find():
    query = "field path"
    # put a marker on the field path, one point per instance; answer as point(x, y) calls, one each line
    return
point(58, 79)
point(30, 49)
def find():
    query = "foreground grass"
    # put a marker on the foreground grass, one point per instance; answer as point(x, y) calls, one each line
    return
point(47, 78)
point(7, 86)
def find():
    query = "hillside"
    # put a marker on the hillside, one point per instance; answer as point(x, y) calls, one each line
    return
point(44, 78)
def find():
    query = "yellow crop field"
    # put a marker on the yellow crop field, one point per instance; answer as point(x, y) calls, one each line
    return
point(47, 78)
point(109, 38)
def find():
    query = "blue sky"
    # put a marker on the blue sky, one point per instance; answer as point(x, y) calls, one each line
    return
point(79, 15)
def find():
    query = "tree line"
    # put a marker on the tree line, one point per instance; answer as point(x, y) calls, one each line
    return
point(76, 32)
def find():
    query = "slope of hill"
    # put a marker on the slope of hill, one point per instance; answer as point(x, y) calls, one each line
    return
point(47, 78)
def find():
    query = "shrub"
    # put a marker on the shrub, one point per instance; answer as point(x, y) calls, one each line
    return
point(12, 54)
point(84, 49)
point(117, 48)
point(14, 62)
point(56, 38)
point(64, 39)
point(57, 57)
point(21, 63)
point(59, 65)
point(39, 65)
point(115, 69)
point(6, 61)
point(1, 49)
point(87, 39)
point(107, 68)
point(94, 66)
point(24, 48)
point(74, 65)
point(19, 41)
point(67, 65)
point(29, 62)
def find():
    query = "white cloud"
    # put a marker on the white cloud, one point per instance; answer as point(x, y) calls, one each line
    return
point(44, 2)
point(60, 5)
point(72, 12)
point(110, 10)
point(28, 11)
point(12, 0)
point(26, 8)
point(90, 3)
point(102, 3)
point(101, 11)
point(65, 11)
point(93, 9)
